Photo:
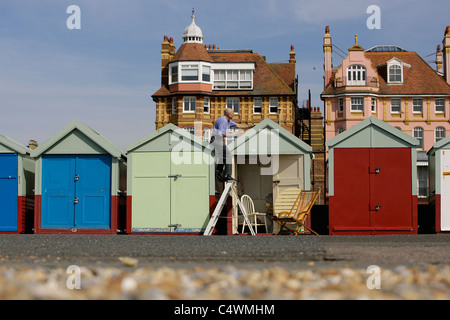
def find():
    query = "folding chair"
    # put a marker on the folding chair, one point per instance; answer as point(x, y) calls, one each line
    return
point(249, 208)
point(299, 212)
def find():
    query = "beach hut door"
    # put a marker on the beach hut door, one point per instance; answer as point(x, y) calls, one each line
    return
point(8, 192)
point(76, 191)
point(445, 190)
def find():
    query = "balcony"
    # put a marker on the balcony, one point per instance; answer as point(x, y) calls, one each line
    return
point(372, 82)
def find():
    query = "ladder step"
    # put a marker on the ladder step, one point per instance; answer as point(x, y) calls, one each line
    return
point(220, 205)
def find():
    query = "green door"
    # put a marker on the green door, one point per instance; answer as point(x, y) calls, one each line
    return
point(190, 193)
point(169, 197)
point(151, 192)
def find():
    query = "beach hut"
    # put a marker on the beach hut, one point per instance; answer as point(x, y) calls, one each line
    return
point(372, 174)
point(439, 167)
point(79, 177)
point(269, 160)
point(170, 186)
point(16, 186)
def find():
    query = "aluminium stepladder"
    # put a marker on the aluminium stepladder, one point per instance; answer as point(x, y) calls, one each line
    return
point(229, 186)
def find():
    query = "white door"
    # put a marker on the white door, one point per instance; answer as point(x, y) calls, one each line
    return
point(445, 190)
point(289, 175)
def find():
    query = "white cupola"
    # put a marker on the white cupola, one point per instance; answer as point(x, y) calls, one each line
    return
point(193, 33)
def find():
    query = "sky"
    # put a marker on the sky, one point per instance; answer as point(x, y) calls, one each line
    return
point(105, 73)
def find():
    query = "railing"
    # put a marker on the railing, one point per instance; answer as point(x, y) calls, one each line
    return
point(343, 82)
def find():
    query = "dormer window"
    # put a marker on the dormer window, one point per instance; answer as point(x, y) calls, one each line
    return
point(233, 76)
point(395, 73)
point(356, 75)
point(190, 72)
point(395, 69)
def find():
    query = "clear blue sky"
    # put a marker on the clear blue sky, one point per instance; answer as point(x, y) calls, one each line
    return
point(105, 73)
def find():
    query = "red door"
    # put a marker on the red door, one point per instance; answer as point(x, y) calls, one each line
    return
point(390, 189)
point(372, 191)
point(349, 205)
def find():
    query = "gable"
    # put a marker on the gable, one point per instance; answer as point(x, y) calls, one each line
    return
point(77, 138)
point(8, 145)
point(269, 138)
point(166, 139)
point(75, 142)
point(372, 133)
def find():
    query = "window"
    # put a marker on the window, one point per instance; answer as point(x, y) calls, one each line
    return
point(219, 79)
point(189, 72)
point(189, 104)
point(357, 104)
point(174, 105)
point(418, 134)
point(206, 105)
point(245, 77)
point(439, 133)
point(191, 130)
point(395, 73)
point(233, 79)
point(422, 181)
point(374, 105)
point(206, 73)
point(174, 73)
point(440, 105)
point(395, 105)
point(233, 103)
point(273, 105)
point(417, 105)
point(340, 105)
point(206, 134)
point(257, 105)
point(356, 75)
point(340, 130)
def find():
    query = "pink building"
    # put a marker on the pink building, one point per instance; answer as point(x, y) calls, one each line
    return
point(394, 85)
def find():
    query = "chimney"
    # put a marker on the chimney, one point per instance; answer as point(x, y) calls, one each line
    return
point(165, 58)
point(439, 59)
point(171, 48)
point(328, 60)
point(446, 53)
point(32, 144)
point(292, 55)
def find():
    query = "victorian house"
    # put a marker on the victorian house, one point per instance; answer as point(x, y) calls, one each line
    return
point(199, 81)
point(396, 86)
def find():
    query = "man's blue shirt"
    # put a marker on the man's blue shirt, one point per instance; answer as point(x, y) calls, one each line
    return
point(222, 126)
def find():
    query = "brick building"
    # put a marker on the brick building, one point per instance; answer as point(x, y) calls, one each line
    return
point(199, 81)
point(394, 85)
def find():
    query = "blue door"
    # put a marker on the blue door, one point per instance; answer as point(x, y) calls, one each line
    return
point(93, 192)
point(76, 191)
point(8, 192)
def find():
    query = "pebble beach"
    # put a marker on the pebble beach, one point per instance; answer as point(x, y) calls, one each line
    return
point(228, 283)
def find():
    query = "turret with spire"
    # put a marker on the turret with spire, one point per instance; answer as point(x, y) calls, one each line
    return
point(193, 33)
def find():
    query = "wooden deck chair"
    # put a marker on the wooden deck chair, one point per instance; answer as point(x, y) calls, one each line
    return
point(298, 213)
point(253, 216)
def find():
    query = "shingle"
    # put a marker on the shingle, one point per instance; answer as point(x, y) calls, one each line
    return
point(191, 52)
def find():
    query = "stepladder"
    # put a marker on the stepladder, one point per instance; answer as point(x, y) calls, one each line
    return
point(230, 186)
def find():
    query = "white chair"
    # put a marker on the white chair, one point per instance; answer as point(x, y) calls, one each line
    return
point(253, 216)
